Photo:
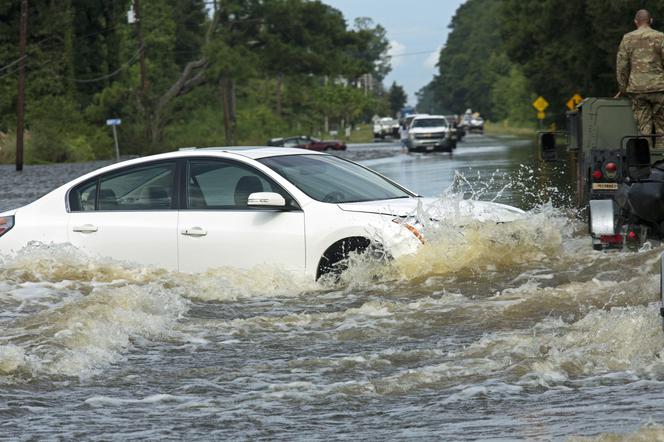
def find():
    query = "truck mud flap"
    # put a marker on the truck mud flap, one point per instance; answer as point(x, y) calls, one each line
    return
point(602, 220)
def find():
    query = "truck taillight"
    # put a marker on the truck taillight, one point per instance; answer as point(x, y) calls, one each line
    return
point(6, 223)
point(611, 169)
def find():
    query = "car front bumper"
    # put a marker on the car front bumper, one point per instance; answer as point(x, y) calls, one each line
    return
point(430, 144)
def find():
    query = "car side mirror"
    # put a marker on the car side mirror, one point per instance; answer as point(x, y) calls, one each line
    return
point(637, 157)
point(266, 199)
point(547, 146)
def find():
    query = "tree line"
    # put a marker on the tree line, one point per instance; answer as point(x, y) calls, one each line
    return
point(501, 54)
point(185, 72)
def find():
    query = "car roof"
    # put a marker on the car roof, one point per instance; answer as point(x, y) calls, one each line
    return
point(251, 152)
point(254, 152)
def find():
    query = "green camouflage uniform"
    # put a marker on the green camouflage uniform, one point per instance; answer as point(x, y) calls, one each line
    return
point(640, 72)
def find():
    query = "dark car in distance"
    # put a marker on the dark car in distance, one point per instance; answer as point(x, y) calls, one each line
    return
point(307, 142)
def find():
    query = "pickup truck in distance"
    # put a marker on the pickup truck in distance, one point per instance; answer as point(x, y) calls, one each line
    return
point(385, 127)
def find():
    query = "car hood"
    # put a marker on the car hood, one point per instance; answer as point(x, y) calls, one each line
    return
point(419, 130)
point(438, 209)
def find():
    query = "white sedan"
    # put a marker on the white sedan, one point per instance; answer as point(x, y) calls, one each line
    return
point(197, 209)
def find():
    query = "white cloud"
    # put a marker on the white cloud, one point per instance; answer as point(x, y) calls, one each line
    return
point(432, 59)
point(396, 50)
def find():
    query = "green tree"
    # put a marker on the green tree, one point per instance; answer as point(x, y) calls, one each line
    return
point(511, 98)
point(568, 47)
point(377, 48)
point(397, 98)
point(250, 56)
point(469, 62)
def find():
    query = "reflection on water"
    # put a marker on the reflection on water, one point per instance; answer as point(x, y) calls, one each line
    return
point(515, 331)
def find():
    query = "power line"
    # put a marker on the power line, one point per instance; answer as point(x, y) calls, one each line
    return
point(127, 64)
point(13, 63)
point(13, 71)
point(414, 53)
point(112, 74)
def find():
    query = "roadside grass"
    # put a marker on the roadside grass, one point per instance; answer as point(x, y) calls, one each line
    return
point(504, 128)
point(361, 134)
point(7, 148)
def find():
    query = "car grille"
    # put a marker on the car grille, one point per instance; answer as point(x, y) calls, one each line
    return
point(430, 136)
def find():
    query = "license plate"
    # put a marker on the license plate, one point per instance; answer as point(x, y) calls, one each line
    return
point(430, 147)
point(605, 186)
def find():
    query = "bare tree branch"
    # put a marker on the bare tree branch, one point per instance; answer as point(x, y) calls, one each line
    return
point(177, 87)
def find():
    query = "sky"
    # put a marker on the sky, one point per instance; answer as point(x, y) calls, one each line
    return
point(417, 30)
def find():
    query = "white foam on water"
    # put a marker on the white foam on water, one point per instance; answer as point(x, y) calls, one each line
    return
point(107, 401)
point(531, 299)
point(67, 313)
point(621, 339)
point(12, 360)
point(229, 284)
point(487, 390)
point(57, 263)
point(83, 336)
point(647, 433)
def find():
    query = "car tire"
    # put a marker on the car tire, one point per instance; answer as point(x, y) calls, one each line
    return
point(335, 259)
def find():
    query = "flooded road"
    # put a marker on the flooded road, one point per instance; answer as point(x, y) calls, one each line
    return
point(501, 332)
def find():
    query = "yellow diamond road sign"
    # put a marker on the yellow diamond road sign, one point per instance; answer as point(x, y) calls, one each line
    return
point(540, 104)
point(572, 102)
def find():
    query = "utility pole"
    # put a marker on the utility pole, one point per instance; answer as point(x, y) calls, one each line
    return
point(20, 106)
point(141, 48)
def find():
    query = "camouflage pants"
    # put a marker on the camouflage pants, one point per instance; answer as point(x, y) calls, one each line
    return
point(649, 112)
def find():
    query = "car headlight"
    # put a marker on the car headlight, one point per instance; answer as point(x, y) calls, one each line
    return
point(6, 223)
point(412, 225)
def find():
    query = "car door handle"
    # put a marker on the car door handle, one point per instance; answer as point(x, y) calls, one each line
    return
point(194, 231)
point(85, 228)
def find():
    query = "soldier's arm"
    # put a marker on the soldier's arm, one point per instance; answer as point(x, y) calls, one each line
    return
point(622, 66)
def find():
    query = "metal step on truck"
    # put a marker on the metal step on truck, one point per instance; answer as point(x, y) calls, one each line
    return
point(618, 174)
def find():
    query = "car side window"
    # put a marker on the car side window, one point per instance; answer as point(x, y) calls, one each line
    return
point(83, 198)
point(218, 184)
point(144, 187)
point(139, 188)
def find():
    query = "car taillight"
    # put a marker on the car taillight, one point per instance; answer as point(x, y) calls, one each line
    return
point(6, 223)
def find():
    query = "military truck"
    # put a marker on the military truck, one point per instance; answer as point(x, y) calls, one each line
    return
point(618, 178)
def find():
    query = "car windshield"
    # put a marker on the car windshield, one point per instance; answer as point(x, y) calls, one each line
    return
point(429, 122)
point(333, 180)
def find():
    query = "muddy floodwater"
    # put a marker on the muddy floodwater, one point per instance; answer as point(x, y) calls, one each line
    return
point(517, 331)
